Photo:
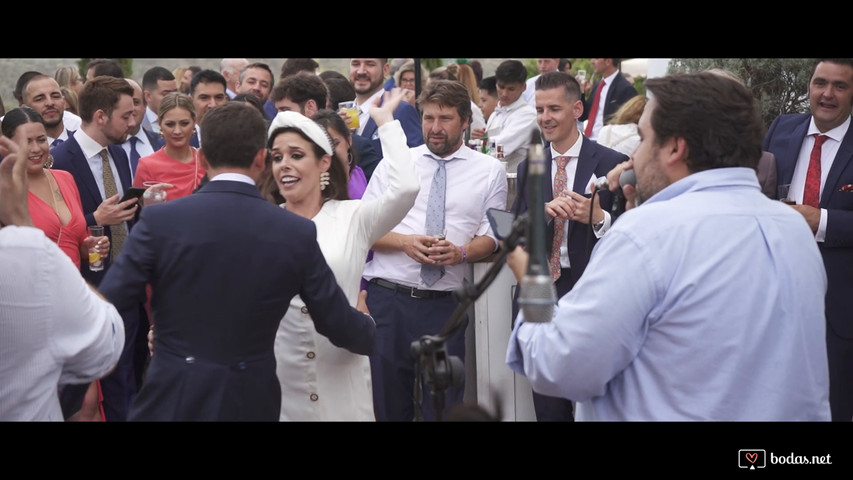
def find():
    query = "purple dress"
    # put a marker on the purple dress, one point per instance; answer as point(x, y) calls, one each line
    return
point(357, 183)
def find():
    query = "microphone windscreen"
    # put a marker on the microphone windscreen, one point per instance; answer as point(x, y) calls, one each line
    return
point(628, 177)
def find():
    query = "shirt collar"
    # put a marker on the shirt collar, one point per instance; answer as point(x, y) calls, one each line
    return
point(89, 146)
point(836, 133)
point(234, 177)
point(573, 151)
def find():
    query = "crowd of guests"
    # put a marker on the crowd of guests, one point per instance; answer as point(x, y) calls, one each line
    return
point(268, 256)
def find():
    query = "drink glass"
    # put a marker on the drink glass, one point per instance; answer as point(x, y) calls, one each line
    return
point(153, 195)
point(96, 263)
point(349, 107)
point(784, 194)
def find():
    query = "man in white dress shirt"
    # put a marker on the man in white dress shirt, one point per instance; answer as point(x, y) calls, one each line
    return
point(406, 302)
point(145, 142)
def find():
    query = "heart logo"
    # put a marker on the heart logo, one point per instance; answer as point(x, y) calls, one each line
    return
point(752, 457)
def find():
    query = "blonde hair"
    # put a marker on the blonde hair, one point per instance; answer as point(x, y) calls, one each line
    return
point(70, 95)
point(629, 112)
point(65, 76)
point(468, 78)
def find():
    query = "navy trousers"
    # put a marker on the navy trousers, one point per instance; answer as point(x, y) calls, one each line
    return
point(401, 320)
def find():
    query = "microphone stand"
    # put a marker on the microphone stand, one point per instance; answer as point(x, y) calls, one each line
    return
point(439, 369)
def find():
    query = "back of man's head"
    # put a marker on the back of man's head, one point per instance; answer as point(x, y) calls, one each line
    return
point(511, 71)
point(105, 66)
point(727, 133)
point(232, 134)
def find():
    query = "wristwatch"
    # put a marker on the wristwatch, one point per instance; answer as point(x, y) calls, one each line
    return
point(598, 225)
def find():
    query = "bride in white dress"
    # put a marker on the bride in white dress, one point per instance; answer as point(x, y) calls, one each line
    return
point(320, 381)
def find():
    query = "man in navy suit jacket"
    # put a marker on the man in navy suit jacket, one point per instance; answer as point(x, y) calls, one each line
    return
point(224, 264)
point(790, 138)
point(367, 76)
point(558, 105)
point(106, 111)
point(619, 91)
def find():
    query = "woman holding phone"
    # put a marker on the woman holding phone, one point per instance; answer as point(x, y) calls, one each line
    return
point(320, 381)
point(55, 208)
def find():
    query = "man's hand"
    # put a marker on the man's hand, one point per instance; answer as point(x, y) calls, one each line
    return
point(629, 191)
point(14, 208)
point(113, 212)
point(811, 214)
point(390, 101)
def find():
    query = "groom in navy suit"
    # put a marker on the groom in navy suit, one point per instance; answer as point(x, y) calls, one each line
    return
point(830, 212)
point(106, 111)
point(558, 105)
point(224, 264)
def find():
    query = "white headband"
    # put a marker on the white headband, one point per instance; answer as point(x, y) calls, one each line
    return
point(305, 125)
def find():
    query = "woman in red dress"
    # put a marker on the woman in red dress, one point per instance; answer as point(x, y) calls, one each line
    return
point(176, 163)
point(54, 204)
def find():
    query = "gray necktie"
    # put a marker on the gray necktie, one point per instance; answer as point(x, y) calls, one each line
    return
point(435, 218)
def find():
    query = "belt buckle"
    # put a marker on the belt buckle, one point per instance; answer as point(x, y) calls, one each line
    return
point(413, 295)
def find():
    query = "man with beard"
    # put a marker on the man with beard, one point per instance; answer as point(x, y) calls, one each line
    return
point(417, 266)
point(42, 94)
point(706, 302)
point(367, 76)
point(101, 170)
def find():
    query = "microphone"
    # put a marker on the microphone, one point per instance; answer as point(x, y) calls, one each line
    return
point(537, 297)
point(628, 177)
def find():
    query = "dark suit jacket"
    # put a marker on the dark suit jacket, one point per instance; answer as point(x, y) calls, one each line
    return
point(70, 157)
point(784, 139)
point(594, 159)
point(367, 156)
point(120, 385)
point(156, 140)
point(224, 264)
point(409, 119)
point(620, 92)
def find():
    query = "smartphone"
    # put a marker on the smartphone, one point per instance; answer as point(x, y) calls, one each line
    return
point(581, 76)
point(132, 192)
point(501, 221)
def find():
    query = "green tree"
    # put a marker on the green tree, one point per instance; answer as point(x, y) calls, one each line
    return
point(126, 65)
point(780, 85)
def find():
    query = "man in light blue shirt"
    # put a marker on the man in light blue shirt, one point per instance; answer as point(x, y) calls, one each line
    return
point(707, 302)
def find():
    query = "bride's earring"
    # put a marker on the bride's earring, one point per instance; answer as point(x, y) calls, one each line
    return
point(324, 180)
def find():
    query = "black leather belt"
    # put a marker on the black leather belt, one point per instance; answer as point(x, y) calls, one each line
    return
point(410, 291)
